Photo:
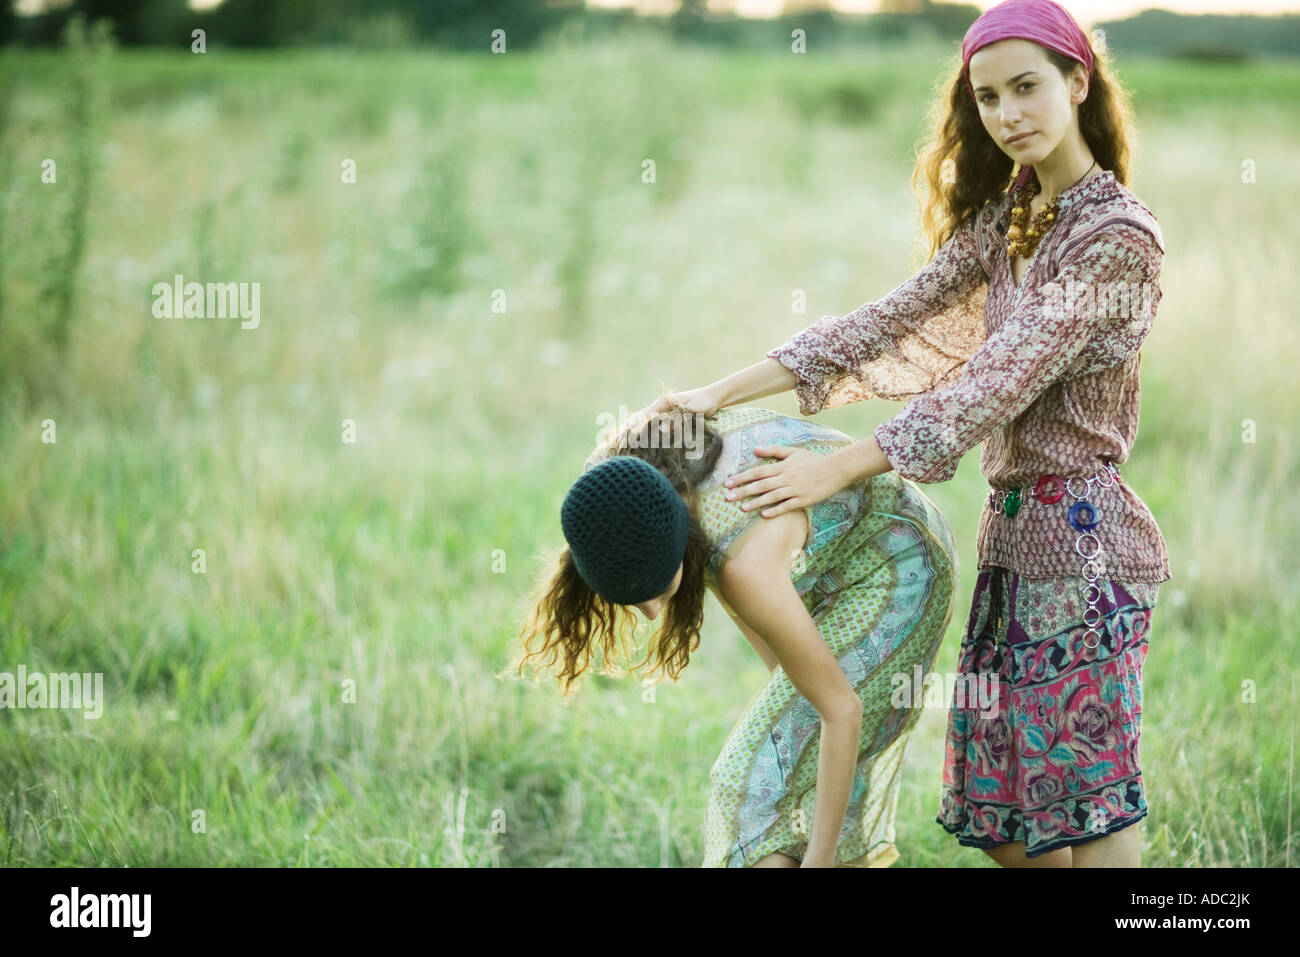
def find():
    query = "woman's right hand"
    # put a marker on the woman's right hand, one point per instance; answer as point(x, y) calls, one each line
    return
point(695, 400)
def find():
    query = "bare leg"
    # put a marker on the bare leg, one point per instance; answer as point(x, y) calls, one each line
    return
point(778, 860)
point(1122, 848)
point(1013, 855)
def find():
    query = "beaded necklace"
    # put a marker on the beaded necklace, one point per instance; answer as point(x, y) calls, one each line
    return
point(1024, 236)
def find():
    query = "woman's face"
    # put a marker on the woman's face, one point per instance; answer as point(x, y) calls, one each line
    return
point(1019, 90)
point(652, 607)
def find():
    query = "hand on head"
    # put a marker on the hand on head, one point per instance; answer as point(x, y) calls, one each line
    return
point(694, 400)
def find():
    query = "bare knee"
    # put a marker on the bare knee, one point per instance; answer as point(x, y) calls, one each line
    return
point(777, 860)
point(1013, 855)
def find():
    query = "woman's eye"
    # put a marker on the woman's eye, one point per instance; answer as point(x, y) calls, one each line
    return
point(988, 97)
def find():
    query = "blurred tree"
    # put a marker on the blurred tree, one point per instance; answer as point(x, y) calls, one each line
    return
point(271, 23)
point(469, 23)
point(135, 22)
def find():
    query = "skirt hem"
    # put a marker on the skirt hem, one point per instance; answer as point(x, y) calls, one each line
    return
point(984, 843)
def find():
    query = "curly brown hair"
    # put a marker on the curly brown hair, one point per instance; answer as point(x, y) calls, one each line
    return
point(567, 618)
point(961, 168)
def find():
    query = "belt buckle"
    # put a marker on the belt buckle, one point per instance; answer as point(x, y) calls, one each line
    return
point(1050, 488)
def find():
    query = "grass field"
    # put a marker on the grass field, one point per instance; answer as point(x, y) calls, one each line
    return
point(325, 691)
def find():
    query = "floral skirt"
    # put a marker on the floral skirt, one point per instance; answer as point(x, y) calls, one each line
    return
point(1049, 755)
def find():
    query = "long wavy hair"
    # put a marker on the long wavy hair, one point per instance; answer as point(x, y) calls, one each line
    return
point(961, 169)
point(567, 618)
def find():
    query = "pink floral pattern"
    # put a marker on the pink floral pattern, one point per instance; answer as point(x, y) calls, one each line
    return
point(1044, 374)
point(1056, 761)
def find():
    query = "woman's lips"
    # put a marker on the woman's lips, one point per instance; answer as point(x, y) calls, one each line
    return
point(1016, 142)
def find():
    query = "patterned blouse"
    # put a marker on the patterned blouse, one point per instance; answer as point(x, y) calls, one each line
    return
point(1044, 373)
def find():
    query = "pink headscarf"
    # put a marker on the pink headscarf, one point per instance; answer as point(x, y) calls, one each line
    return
point(1042, 21)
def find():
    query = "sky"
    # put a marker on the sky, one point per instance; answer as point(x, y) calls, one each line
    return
point(1085, 11)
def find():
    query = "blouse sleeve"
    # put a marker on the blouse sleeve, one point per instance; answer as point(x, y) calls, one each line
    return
point(915, 339)
point(1035, 346)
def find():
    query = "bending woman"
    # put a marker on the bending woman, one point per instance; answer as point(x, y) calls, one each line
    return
point(1023, 333)
point(837, 599)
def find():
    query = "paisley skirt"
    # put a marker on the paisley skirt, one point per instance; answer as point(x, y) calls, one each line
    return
point(882, 607)
point(1050, 757)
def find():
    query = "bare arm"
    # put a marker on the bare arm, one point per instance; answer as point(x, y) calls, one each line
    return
point(754, 637)
point(756, 583)
point(764, 378)
point(791, 533)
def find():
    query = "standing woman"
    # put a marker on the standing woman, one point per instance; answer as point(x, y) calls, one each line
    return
point(1023, 333)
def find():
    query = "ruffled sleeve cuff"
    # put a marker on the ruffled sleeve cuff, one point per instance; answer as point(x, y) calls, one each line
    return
point(813, 375)
point(912, 452)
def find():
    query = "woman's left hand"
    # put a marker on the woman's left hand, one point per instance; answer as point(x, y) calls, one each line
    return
point(797, 479)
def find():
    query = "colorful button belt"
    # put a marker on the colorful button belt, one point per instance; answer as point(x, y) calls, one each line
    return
point(1084, 517)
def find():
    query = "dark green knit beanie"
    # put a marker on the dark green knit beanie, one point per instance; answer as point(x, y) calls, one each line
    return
point(626, 527)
